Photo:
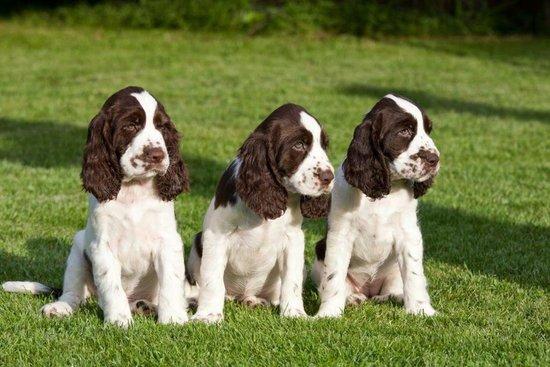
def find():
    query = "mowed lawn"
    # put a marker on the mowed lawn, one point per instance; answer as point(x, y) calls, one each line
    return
point(486, 222)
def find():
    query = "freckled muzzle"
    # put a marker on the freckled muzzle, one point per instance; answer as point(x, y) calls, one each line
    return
point(152, 159)
point(325, 177)
point(152, 155)
point(428, 160)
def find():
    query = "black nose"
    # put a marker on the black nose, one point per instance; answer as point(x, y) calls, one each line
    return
point(432, 159)
point(326, 177)
point(153, 155)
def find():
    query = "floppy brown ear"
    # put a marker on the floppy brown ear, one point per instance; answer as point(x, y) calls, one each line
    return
point(100, 173)
point(420, 188)
point(365, 166)
point(175, 180)
point(257, 182)
point(315, 207)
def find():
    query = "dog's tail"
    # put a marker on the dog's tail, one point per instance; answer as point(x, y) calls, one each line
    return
point(31, 288)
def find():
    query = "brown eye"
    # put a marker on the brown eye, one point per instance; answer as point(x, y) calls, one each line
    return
point(299, 146)
point(407, 133)
point(132, 127)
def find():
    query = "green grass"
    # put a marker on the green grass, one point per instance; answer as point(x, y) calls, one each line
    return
point(486, 223)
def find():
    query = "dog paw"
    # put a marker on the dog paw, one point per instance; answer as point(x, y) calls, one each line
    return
point(143, 307)
point(173, 319)
point(421, 308)
point(252, 302)
point(329, 312)
point(294, 312)
point(387, 297)
point(57, 309)
point(355, 299)
point(208, 318)
point(120, 319)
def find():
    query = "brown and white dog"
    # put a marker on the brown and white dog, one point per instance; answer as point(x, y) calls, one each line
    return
point(130, 250)
point(373, 247)
point(252, 245)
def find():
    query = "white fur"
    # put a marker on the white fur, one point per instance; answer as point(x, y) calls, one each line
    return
point(26, 287)
point(374, 247)
point(130, 249)
point(303, 180)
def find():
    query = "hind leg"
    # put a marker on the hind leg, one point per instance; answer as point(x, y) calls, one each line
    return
point(75, 283)
point(192, 272)
point(270, 293)
point(274, 295)
point(353, 298)
point(392, 287)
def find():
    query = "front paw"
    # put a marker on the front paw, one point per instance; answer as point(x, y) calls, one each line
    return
point(174, 318)
point(57, 309)
point(295, 312)
point(421, 308)
point(329, 312)
point(120, 319)
point(208, 317)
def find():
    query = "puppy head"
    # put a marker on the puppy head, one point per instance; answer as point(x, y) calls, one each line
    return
point(285, 154)
point(392, 143)
point(132, 138)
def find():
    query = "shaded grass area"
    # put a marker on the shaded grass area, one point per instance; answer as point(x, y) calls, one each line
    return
point(486, 222)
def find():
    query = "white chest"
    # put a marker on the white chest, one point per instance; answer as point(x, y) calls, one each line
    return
point(134, 227)
point(379, 225)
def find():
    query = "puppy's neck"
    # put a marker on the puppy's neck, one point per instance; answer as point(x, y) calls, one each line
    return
point(293, 200)
point(136, 190)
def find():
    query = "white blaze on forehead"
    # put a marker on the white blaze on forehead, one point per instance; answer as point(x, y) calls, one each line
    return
point(305, 180)
point(410, 108)
point(149, 105)
point(311, 125)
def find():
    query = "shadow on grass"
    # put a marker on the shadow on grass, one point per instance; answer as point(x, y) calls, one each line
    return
point(513, 252)
point(44, 263)
point(49, 144)
point(439, 103)
point(525, 53)
point(44, 144)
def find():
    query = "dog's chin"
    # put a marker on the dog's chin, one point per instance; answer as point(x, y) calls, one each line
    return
point(308, 191)
point(315, 193)
point(146, 175)
point(427, 176)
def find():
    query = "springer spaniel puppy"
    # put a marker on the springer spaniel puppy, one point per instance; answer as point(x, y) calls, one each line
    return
point(373, 248)
point(130, 252)
point(251, 247)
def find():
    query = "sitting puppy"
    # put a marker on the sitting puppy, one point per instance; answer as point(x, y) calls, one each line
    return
point(373, 247)
point(252, 245)
point(130, 253)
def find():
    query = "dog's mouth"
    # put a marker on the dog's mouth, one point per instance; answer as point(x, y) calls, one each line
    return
point(428, 174)
point(149, 171)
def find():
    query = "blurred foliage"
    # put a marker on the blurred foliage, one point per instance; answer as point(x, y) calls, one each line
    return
point(357, 17)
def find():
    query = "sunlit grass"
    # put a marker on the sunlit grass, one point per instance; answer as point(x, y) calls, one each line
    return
point(486, 222)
